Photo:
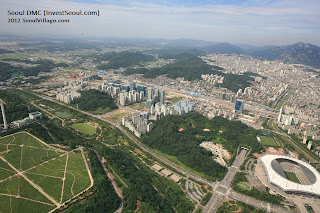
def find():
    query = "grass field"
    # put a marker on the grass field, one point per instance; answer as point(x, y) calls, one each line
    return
point(292, 176)
point(64, 115)
point(118, 115)
point(44, 171)
point(175, 99)
point(84, 128)
point(138, 105)
point(267, 141)
point(244, 186)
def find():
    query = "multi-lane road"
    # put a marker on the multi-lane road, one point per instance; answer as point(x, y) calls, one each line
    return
point(222, 188)
point(139, 144)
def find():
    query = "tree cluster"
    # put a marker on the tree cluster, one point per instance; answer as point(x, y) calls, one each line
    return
point(140, 187)
point(15, 108)
point(264, 196)
point(104, 199)
point(92, 99)
point(184, 144)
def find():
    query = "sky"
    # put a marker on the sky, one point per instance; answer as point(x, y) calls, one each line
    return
point(255, 22)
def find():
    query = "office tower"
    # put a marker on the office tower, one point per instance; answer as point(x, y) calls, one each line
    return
point(162, 95)
point(132, 86)
point(239, 106)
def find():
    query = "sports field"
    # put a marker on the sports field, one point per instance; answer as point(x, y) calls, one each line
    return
point(35, 177)
point(63, 115)
point(292, 176)
point(267, 141)
point(85, 129)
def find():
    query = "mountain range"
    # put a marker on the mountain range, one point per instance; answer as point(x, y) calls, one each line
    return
point(299, 53)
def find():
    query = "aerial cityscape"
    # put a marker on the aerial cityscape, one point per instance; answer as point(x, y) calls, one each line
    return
point(138, 106)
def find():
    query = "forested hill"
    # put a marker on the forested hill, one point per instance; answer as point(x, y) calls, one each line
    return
point(185, 144)
point(191, 67)
point(187, 66)
point(95, 102)
point(122, 59)
point(7, 70)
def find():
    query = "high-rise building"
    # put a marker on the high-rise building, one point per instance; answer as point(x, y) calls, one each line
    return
point(122, 99)
point(141, 95)
point(162, 95)
point(150, 93)
point(239, 106)
point(309, 145)
point(141, 88)
point(132, 86)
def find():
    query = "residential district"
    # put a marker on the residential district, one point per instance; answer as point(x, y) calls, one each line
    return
point(282, 101)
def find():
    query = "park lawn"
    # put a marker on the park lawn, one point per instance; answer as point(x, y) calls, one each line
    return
point(9, 186)
point(244, 186)
point(27, 140)
point(7, 140)
point(292, 177)
point(64, 115)
point(13, 156)
point(35, 156)
point(53, 168)
point(28, 191)
point(47, 183)
point(5, 171)
point(27, 206)
point(267, 141)
point(84, 128)
point(79, 174)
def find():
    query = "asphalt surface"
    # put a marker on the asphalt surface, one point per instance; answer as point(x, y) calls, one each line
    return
point(222, 188)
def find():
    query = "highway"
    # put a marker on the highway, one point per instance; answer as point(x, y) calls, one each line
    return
point(257, 203)
point(137, 142)
point(222, 188)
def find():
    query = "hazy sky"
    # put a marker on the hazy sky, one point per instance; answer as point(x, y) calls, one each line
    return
point(259, 22)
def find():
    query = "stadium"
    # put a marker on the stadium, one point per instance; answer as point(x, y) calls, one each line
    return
point(291, 175)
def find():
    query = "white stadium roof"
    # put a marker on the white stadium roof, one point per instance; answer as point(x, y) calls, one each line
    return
point(277, 177)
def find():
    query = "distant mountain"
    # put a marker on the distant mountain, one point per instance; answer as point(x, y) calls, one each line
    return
point(188, 43)
point(299, 53)
point(223, 48)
